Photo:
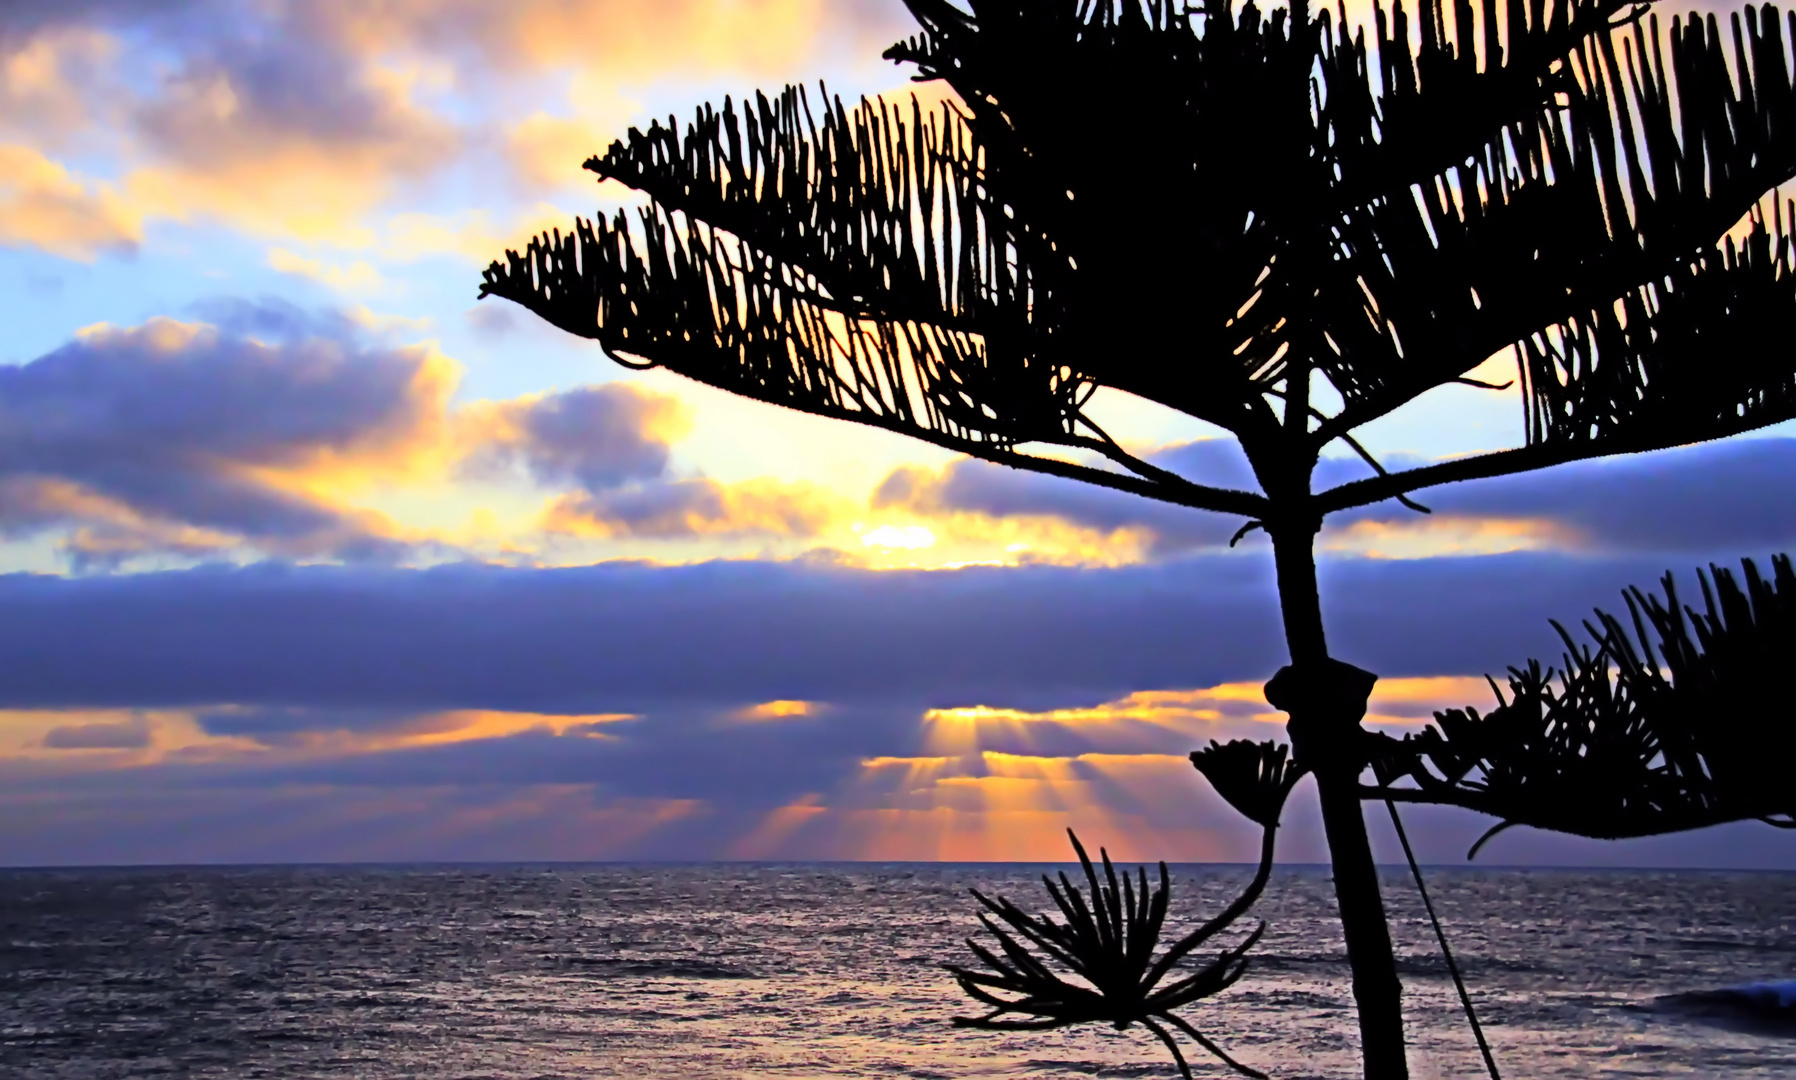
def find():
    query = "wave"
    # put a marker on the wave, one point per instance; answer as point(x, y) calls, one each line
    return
point(664, 967)
point(1769, 1005)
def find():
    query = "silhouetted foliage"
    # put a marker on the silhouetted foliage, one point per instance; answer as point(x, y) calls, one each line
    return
point(1682, 724)
point(1214, 223)
point(1254, 778)
point(1107, 942)
point(1288, 226)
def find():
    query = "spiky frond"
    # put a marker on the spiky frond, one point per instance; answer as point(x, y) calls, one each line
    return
point(1207, 207)
point(1107, 945)
point(1683, 723)
point(1590, 226)
point(851, 264)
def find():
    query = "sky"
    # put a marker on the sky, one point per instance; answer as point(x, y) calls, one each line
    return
point(306, 555)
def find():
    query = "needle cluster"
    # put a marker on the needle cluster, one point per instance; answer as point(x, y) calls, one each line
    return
point(1675, 719)
point(1107, 944)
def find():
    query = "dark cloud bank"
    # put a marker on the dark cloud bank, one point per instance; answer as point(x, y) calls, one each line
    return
point(628, 636)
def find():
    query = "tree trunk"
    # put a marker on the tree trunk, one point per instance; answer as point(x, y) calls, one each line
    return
point(1326, 700)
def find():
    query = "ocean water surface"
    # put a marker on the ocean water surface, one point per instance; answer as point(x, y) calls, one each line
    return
point(833, 970)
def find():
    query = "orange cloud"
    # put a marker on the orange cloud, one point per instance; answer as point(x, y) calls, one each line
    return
point(357, 277)
point(771, 835)
point(779, 710)
point(472, 235)
point(961, 535)
point(114, 738)
point(113, 530)
point(547, 151)
point(441, 729)
point(1203, 714)
point(222, 152)
point(630, 38)
point(1000, 806)
point(76, 740)
point(1194, 714)
point(43, 205)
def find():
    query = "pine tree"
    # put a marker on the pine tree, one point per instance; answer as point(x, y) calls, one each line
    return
point(1278, 222)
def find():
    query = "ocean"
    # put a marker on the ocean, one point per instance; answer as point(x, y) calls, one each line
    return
point(522, 972)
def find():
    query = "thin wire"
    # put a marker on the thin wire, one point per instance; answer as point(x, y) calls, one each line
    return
point(1490, 1062)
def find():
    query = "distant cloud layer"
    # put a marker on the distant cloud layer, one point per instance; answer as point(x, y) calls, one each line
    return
point(1700, 500)
point(628, 637)
point(729, 698)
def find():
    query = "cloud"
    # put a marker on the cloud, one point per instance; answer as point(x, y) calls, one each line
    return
point(133, 734)
point(1696, 500)
point(48, 81)
point(628, 34)
point(699, 507)
point(546, 151)
point(310, 120)
point(779, 710)
point(276, 135)
point(43, 205)
point(472, 236)
point(595, 437)
point(1699, 500)
point(991, 492)
point(632, 637)
point(188, 437)
point(492, 322)
point(245, 116)
point(612, 444)
point(344, 731)
point(357, 277)
point(632, 39)
point(263, 428)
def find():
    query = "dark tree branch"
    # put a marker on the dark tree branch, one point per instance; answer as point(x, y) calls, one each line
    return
point(1165, 486)
point(1375, 489)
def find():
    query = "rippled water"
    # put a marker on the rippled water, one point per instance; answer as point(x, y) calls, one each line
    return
point(828, 971)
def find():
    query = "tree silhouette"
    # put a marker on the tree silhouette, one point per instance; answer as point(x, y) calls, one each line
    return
point(1276, 222)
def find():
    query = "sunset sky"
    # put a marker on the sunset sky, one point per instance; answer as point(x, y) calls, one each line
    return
point(309, 556)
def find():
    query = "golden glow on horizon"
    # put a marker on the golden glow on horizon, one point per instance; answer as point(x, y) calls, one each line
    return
point(1441, 535)
point(988, 783)
point(1408, 702)
point(122, 738)
point(470, 724)
point(1190, 712)
point(894, 536)
point(779, 710)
